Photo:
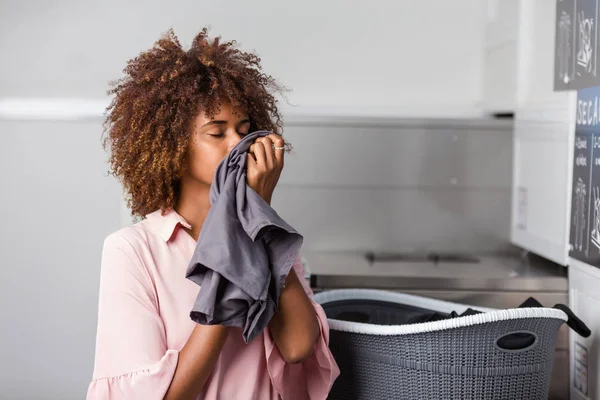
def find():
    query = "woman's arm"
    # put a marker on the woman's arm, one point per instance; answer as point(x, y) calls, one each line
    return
point(133, 360)
point(295, 330)
point(314, 377)
point(294, 327)
point(196, 361)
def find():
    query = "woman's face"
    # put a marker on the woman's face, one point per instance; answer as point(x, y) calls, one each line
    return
point(212, 140)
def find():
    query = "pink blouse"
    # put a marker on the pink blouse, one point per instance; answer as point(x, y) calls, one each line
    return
point(143, 323)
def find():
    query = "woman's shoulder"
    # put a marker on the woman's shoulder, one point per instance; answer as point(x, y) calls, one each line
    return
point(130, 251)
point(137, 236)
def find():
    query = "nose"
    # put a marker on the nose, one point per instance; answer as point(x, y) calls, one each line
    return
point(234, 139)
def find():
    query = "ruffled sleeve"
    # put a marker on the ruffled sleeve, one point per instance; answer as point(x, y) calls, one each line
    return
point(317, 373)
point(132, 360)
point(150, 383)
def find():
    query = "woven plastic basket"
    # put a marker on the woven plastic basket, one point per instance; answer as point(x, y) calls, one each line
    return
point(459, 358)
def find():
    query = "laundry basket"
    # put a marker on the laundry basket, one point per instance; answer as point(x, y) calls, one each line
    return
point(496, 354)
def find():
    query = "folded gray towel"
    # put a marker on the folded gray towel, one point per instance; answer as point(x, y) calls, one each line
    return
point(244, 253)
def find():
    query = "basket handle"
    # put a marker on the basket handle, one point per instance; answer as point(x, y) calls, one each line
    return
point(517, 341)
point(574, 322)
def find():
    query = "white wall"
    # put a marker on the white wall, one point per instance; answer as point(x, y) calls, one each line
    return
point(56, 206)
point(379, 56)
point(500, 56)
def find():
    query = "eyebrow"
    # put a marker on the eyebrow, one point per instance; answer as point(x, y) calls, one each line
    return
point(223, 122)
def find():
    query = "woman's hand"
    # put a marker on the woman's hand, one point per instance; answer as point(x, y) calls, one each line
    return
point(264, 165)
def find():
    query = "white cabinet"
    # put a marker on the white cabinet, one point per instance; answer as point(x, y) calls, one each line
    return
point(541, 183)
point(584, 300)
point(543, 139)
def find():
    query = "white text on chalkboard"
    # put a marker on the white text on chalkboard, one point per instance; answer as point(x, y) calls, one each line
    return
point(580, 143)
point(581, 161)
point(587, 112)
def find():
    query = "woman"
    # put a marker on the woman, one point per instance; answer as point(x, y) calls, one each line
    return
point(174, 117)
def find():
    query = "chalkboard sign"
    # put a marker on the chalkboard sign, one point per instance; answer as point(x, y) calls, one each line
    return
point(584, 240)
point(576, 45)
point(564, 48)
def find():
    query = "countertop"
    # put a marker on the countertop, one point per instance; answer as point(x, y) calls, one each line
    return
point(495, 272)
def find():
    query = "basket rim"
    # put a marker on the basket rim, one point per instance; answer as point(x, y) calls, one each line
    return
point(489, 315)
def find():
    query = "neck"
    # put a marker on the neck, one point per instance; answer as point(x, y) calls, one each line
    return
point(193, 205)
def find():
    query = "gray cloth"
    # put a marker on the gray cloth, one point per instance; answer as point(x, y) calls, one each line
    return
point(244, 253)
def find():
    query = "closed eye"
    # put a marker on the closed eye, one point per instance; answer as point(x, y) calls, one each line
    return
point(219, 135)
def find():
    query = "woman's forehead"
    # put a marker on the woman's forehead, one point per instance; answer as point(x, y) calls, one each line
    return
point(224, 113)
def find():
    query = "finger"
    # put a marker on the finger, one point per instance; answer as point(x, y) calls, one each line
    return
point(279, 147)
point(251, 152)
point(250, 161)
point(259, 154)
point(269, 151)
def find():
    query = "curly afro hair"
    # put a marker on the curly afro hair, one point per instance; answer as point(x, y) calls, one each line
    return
point(150, 119)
